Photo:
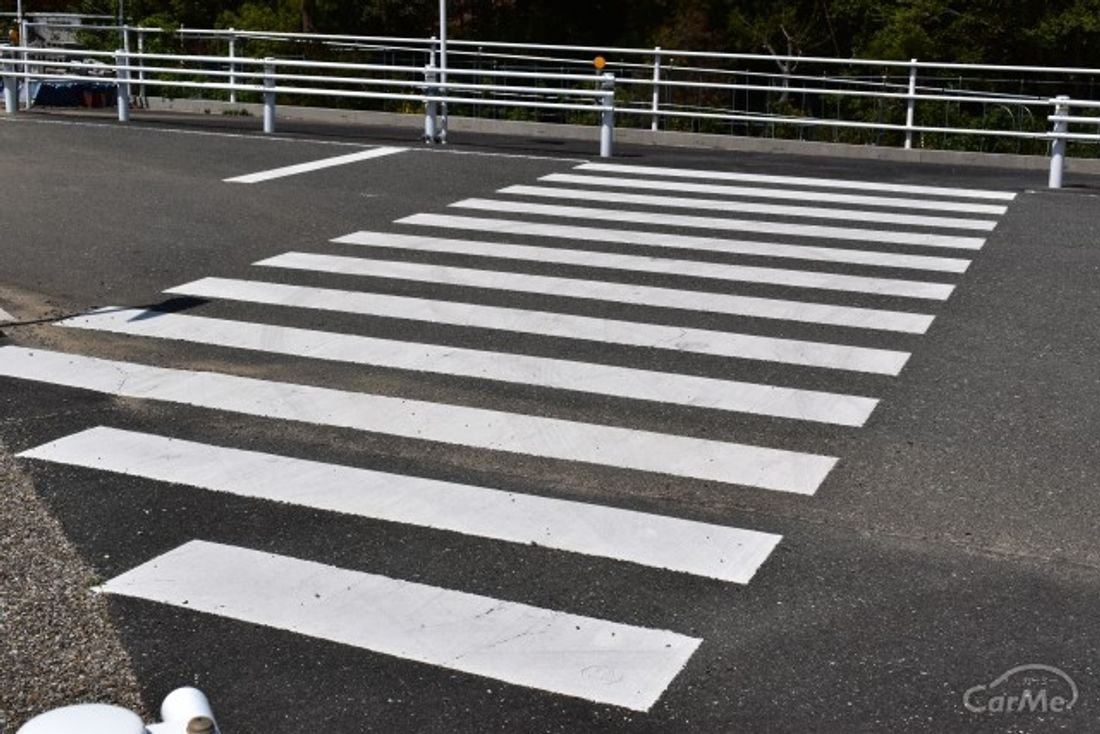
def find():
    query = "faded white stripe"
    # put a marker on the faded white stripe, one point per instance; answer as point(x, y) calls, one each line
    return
point(743, 346)
point(688, 242)
point(674, 242)
point(565, 326)
point(751, 192)
point(340, 160)
point(553, 285)
point(722, 223)
point(831, 183)
point(583, 288)
point(623, 382)
point(522, 645)
point(764, 308)
point(701, 549)
point(478, 428)
point(742, 207)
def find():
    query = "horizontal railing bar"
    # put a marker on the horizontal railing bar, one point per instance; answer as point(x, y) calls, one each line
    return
point(308, 91)
point(819, 122)
point(295, 63)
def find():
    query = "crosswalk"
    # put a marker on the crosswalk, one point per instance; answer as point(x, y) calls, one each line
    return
point(866, 263)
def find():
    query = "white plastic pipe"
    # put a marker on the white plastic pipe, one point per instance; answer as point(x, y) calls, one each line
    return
point(188, 711)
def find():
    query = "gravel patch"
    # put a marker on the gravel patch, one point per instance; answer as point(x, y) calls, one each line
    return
point(57, 645)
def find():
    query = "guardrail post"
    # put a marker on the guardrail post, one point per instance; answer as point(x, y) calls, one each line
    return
point(911, 109)
point(25, 41)
point(654, 125)
point(269, 97)
point(607, 117)
point(232, 65)
point(1058, 146)
point(143, 102)
point(431, 107)
point(122, 83)
point(11, 89)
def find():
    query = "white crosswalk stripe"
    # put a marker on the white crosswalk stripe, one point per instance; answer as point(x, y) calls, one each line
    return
point(662, 219)
point(515, 643)
point(726, 205)
point(717, 461)
point(829, 285)
point(565, 326)
point(829, 183)
point(672, 242)
point(755, 192)
point(713, 551)
point(663, 387)
point(474, 278)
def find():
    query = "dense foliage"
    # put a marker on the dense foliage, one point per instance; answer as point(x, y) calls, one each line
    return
point(1053, 32)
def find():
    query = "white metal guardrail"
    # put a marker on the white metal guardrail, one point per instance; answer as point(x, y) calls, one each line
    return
point(271, 77)
point(648, 86)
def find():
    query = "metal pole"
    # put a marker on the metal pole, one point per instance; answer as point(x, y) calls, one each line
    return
point(607, 118)
point(24, 40)
point(910, 111)
point(11, 91)
point(269, 97)
point(232, 65)
point(654, 125)
point(144, 103)
point(431, 106)
point(1058, 147)
point(122, 77)
point(442, 129)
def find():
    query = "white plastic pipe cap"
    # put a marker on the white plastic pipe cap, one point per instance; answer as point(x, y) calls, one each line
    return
point(190, 708)
point(88, 718)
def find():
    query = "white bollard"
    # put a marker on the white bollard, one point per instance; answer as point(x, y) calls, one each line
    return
point(269, 97)
point(607, 118)
point(122, 83)
point(431, 107)
point(11, 87)
point(1058, 147)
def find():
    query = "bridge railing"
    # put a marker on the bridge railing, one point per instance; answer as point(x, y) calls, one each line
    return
point(911, 104)
point(268, 78)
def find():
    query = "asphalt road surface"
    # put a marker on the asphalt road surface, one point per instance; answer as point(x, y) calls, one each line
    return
point(510, 439)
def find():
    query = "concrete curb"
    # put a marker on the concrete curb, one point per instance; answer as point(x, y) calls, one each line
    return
point(632, 136)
